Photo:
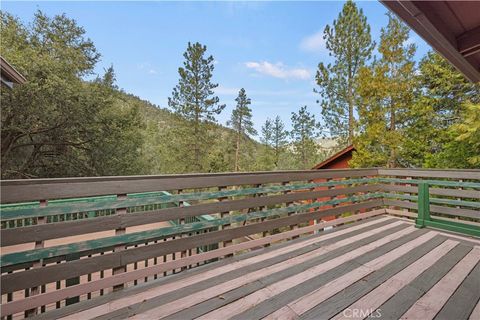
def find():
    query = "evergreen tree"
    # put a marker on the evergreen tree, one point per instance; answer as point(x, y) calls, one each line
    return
point(57, 124)
point(274, 137)
point(304, 131)
point(350, 44)
point(445, 93)
point(387, 92)
point(193, 99)
point(462, 149)
point(241, 123)
point(279, 140)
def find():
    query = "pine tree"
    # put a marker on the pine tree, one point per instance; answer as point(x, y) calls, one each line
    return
point(279, 140)
point(194, 100)
point(304, 131)
point(350, 44)
point(388, 90)
point(241, 122)
point(445, 93)
point(274, 137)
point(462, 149)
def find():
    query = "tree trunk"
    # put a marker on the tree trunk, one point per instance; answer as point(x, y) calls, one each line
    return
point(350, 116)
point(237, 151)
point(196, 146)
point(393, 154)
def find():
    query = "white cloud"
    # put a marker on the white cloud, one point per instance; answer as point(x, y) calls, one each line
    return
point(147, 67)
point(278, 70)
point(313, 43)
point(226, 91)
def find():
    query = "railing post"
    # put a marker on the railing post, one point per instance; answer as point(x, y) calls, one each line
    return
point(224, 214)
point(38, 244)
point(120, 231)
point(423, 205)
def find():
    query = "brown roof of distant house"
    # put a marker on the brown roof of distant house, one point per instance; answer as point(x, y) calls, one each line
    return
point(9, 73)
point(336, 156)
point(452, 28)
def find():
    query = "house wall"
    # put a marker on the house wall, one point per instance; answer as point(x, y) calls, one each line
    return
point(339, 163)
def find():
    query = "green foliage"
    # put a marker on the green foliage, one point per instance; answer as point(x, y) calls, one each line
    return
point(242, 124)
point(194, 101)
point(350, 44)
point(304, 131)
point(441, 104)
point(57, 124)
point(274, 138)
point(387, 90)
point(463, 148)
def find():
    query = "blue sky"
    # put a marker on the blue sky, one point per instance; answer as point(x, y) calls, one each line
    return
point(271, 49)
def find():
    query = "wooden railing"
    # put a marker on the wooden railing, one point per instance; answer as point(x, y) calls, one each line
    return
point(117, 231)
point(444, 199)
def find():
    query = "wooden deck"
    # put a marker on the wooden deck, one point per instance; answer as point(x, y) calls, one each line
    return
point(383, 267)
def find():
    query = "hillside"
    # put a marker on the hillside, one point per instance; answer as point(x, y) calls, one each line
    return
point(158, 147)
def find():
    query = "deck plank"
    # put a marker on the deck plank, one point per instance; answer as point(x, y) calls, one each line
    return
point(462, 302)
point(370, 302)
point(371, 222)
point(198, 297)
point(405, 297)
point(285, 284)
point(475, 313)
point(212, 304)
point(276, 255)
point(432, 302)
point(380, 263)
point(307, 302)
point(282, 299)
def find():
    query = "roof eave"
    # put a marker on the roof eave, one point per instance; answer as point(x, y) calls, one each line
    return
point(438, 39)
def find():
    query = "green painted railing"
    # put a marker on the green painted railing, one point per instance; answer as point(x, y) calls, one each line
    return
point(234, 206)
point(424, 218)
point(156, 234)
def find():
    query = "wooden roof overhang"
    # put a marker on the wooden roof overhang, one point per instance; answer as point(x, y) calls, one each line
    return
point(9, 75)
point(452, 28)
point(335, 157)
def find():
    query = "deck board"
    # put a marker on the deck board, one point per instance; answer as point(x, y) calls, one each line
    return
point(235, 270)
point(462, 302)
point(324, 238)
point(389, 288)
point(293, 271)
point(378, 264)
point(432, 302)
point(269, 306)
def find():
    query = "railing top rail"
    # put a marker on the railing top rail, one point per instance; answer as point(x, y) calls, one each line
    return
point(432, 173)
point(62, 188)
point(41, 189)
point(170, 176)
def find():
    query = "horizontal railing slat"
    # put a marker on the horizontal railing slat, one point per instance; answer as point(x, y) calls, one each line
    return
point(52, 210)
point(452, 202)
point(51, 273)
point(464, 193)
point(432, 173)
point(474, 214)
point(78, 227)
point(445, 183)
point(41, 189)
point(156, 234)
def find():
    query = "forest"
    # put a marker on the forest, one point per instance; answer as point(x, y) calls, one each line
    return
point(67, 121)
